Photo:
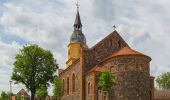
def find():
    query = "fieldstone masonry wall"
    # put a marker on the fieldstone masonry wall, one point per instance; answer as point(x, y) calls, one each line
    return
point(133, 79)
point(132, 86)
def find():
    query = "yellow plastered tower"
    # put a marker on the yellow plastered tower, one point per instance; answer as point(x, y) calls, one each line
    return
point(77, 41)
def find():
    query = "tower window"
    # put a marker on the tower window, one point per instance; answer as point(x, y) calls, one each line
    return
point(73, 83)
point(89, 88)
point(68, 85)
point(63, 85)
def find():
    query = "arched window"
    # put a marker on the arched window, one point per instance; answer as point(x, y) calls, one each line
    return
point(88, 88)
point(73, 83)
point(63, 85)
point(68, 88)
point(91, 86)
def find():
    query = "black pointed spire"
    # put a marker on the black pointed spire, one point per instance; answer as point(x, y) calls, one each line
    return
point(77, 36)
point(77, 23)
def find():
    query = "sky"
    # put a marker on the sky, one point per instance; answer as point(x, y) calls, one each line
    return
point(143, 24)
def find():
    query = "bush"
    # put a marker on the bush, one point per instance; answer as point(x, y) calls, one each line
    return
point(4, 96)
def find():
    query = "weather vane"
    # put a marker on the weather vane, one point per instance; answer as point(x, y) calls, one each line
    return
point(77, 4)
point(114, 27)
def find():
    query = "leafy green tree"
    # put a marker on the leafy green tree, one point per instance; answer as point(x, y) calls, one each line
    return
point(163, 81)
point(10, 95)
point(42, 92)
point(106, 81)
point(4, 96)
point(33, 67)
point(17, 97)
point(58, 90)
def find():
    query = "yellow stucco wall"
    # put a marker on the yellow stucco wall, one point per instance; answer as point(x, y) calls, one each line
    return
point(74, 52)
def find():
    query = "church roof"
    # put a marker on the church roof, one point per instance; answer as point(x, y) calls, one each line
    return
point(68, 68)
point(78, 36)
point(126, 51)
point(114, 33)
point(98, 69)
point(162, 95)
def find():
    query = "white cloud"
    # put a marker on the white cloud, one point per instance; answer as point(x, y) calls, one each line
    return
point(7, 53)
point(143, 24)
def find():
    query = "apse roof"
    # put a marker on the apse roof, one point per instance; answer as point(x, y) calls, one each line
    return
point(126, 51)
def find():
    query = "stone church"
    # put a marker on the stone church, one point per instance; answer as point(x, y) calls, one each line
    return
point(112, 53)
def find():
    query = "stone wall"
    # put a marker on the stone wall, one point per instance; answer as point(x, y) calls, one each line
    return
point(74, 69)
point(128, 63)
point(133, 78)
point(89, 81)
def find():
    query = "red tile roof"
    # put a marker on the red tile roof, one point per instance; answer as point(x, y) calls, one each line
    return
point(98, 69)
point(126, 51)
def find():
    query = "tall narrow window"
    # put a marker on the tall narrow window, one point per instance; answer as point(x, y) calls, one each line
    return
point(111, 42)
point(68, 85)
point(73, 83)
point(119, 44)
point(89, 88)
point(63, 85)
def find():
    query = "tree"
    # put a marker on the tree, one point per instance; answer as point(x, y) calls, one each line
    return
point(42, 92)
point(106, 81)
point(17, 97)
point(33, 67)
point(163, 81)
point(58, 90)
point(4, 96)
point(10, 94)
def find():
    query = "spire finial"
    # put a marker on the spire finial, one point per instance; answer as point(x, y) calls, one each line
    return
point(77, 23)
point(77, 5)
point(114, 27)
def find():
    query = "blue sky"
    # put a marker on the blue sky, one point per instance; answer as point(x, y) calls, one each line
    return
point(49, 23)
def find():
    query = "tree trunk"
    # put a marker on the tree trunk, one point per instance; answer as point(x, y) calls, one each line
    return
point(108, 92)
point(32, 95)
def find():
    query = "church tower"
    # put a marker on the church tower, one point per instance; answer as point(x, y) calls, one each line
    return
point(77, 41)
